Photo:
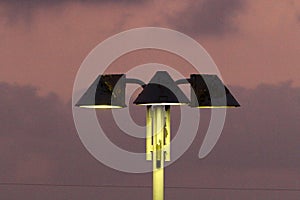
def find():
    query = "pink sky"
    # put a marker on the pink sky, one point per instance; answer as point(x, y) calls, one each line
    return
point(43, 43)
point(252, 42)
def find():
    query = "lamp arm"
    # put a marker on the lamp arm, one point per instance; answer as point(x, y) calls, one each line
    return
point(135, 81)
point(182, 81)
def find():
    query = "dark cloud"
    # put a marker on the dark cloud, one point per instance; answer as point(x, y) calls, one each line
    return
point(57, 2)
point(208, 17)
point(259, 147)
point(24, 9)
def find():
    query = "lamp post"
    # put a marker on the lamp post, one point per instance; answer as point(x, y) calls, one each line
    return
point(158, 95)
point(162, 92)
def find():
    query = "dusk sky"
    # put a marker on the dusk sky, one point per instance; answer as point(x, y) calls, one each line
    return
point(255, 44)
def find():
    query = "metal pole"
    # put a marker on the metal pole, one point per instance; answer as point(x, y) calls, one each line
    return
point(158, 152)
point(167, 134)
point(149, 130)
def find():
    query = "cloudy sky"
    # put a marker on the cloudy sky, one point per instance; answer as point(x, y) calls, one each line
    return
point(254, 43)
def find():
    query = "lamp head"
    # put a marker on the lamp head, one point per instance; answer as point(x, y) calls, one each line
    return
point(161, 90)
point(208, 91)
point(107, 91)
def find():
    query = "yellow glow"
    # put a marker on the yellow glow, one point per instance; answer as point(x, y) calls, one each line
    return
point(100, 106)
point(162, 104)
point(216, 107)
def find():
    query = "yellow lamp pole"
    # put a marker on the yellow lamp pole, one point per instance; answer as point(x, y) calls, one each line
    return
point(158, 142)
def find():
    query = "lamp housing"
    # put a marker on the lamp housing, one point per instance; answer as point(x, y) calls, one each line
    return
point(107, 91)
point(161, 90)
point(208, 91)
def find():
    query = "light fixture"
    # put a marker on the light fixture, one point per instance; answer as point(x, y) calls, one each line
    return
point(107, 91)
point(161, 90)
point(208, 91)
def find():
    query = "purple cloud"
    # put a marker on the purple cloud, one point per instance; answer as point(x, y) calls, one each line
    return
point(208, 17)
point(24, 10)
point(259, 147)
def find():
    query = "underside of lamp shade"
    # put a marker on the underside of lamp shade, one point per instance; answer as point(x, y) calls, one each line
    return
point(208, 91)
point(107, 91)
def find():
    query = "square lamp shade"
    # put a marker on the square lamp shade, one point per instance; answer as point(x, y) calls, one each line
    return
point(107, 91)
point(208, 91)
point(161, 90)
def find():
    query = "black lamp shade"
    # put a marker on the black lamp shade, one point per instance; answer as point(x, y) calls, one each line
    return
point(107, 91)
point(208, 91)
point(162, 90)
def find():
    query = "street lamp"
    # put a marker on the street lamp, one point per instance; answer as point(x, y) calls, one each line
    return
point(207, 91)
point(158, 96)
